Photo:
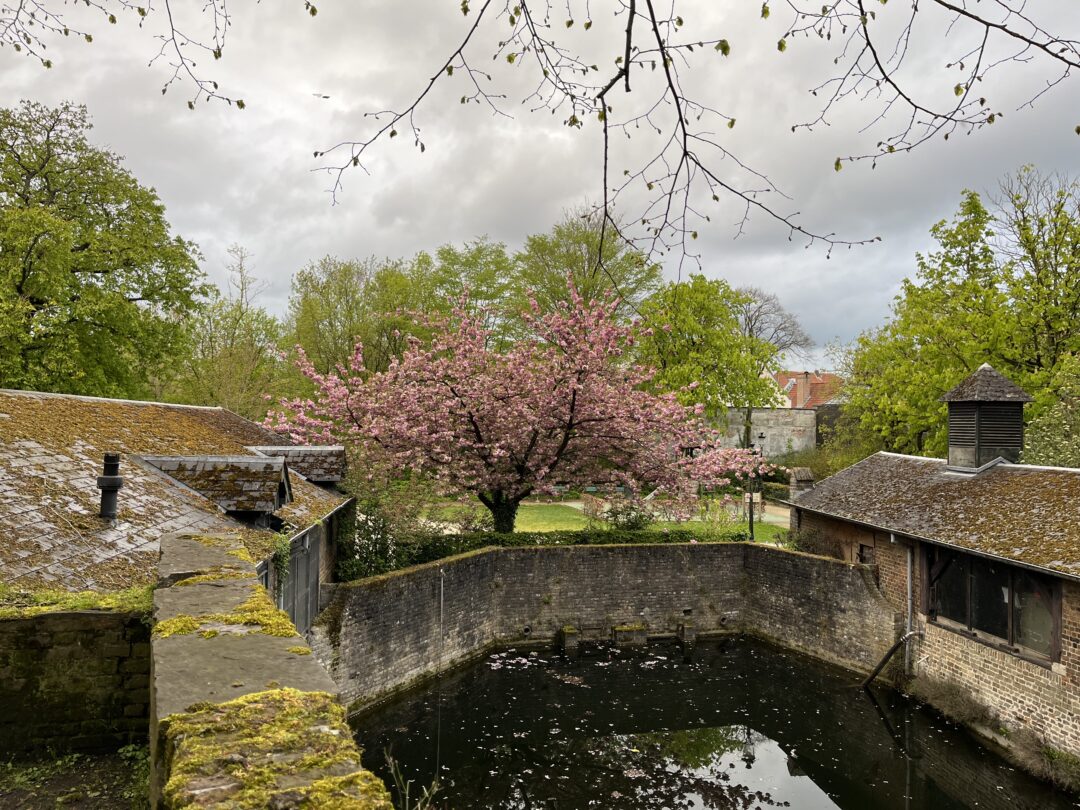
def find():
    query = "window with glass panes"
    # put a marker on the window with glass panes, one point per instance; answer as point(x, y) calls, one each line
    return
point(995, 601)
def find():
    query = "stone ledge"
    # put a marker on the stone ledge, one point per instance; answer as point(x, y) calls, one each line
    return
point(242, 714)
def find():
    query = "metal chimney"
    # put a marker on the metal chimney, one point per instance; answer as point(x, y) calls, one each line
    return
point(110, 483)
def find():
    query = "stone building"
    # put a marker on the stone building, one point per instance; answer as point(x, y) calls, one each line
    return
point(981, 554)
point(181, 469)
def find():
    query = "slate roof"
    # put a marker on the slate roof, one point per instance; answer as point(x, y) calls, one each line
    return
point(235, 483)
point(321, 463)
point(1022, 513)
point(51, 449)
point(987, 385)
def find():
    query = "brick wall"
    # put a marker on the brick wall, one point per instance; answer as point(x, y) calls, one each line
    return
point(382, 633)
point(388, 625)
point(73, 681)
point(1023, 694)
point(828, 609)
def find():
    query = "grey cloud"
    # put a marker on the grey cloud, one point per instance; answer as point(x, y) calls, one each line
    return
point(228, 176)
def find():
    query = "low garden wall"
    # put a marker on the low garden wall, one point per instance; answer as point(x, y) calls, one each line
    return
point(73, 680)
point(384, 633)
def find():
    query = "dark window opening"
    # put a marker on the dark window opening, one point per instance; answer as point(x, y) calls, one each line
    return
point(866, 554)
point(996, 601)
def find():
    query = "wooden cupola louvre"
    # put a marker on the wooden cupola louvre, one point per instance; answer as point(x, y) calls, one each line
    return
point(986, 419)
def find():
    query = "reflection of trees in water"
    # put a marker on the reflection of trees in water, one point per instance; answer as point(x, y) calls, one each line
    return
point(676, 770)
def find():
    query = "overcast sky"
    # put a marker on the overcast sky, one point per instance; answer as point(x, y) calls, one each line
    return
point(246, 177)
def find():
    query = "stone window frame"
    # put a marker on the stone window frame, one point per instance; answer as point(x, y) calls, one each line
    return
point(1004, 644)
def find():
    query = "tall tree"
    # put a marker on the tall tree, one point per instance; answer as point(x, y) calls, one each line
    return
point(232, 359)
point(94, 289)
point(765, 322)
point(503, 424)
point(336, 303)
point(1003, 288)
point(693, 335)
point(1053, 437)
point(572, 249)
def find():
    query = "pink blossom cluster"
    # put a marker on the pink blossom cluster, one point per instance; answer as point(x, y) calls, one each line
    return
point(565, 407)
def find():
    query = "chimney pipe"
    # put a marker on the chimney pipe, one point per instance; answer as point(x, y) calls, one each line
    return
point(110, 483)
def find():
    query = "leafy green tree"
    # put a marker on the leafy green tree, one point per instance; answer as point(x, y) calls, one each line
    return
point(336, 303)
point(233, 357)
point(764, 321)
point(94, 289)
point(570, 249)
point(1003, 288)
point(1053, 437)
point(694, 337)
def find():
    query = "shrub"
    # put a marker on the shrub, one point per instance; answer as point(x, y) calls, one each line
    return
point(630, 514)
point(418, 548)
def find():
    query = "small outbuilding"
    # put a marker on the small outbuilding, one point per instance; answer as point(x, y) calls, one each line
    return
point(73, 519)
point(981, 553)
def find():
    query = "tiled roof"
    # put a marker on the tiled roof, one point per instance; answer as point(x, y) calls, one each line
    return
point(235, 483)
point(322, 463)
point(51, 449)
point(819, 387)
point(987, 385)
point(1027, 514)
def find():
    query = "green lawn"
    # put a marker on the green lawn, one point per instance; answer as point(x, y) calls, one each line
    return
point(550, 517)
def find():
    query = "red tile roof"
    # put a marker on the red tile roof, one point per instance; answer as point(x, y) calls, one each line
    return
point(818, 387)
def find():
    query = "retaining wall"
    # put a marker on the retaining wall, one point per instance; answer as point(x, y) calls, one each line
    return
point(382, 634)
point(73, 681)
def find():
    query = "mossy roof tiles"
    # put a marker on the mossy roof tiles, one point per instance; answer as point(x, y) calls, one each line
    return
point(987, 385)
point(51, 449)
point(1026, 514)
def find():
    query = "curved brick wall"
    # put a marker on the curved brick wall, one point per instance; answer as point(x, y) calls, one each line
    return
point(382, 634)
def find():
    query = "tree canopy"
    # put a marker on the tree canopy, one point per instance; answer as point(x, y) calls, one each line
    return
point(564, 408)
point(94, 288)
point(1003, 288)
point(232, 357)
point(693, 334)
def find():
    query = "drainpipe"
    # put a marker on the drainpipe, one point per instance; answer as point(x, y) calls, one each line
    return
point(910, 603)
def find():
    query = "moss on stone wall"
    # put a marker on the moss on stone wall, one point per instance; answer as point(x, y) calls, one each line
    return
point(282, 748)
point(257, 612)
point(17, 604)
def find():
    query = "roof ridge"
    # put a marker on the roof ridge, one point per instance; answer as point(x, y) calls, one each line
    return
point(85, 398)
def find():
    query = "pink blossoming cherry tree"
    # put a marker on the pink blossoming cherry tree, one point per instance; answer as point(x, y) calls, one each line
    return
point(563, 408)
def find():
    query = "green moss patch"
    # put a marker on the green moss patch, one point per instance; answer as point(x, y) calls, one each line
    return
point(257, 612)
point(216, 574)
point(277, 748)
point(17, 604)
point(298, 650)
point(229, 544)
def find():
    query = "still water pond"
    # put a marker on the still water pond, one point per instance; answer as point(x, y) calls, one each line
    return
point(738, 724)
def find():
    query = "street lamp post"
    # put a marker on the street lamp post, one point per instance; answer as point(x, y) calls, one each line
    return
point(750, 490)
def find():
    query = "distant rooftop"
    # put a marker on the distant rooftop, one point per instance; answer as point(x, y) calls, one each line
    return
point(808, 389)
point(987, 385)
point(51, 451)
point(1026, 514)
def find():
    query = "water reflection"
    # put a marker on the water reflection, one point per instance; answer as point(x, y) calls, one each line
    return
point(738, 725)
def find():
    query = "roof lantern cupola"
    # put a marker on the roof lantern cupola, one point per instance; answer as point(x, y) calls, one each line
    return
point(986, 419)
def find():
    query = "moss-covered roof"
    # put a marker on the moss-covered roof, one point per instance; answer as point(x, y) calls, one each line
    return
point(235, 483)
point(987, 385)
point(51, 450)
point(1022, 513)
